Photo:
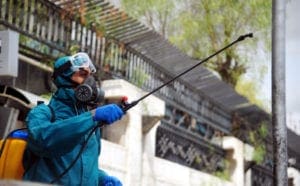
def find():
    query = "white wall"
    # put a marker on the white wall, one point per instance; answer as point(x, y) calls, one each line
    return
point(131, 156)
point(295, 174)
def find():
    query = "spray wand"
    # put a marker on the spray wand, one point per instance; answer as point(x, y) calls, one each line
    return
point(126, 106)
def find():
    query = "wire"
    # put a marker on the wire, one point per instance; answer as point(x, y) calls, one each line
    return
point(127, 106)
point(71, 164)
point(78, 155)
point(240, 38)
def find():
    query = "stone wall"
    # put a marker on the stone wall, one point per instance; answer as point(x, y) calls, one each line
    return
point(128, 149)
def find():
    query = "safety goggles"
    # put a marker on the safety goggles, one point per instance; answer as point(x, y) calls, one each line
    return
point(80, 61)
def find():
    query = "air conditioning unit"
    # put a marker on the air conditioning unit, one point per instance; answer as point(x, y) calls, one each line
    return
point(9, 50)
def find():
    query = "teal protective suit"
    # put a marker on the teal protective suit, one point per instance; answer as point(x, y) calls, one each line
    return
point(53, 146)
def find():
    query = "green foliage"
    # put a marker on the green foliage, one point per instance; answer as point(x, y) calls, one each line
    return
point(47, 95)
point(139, 77)
point(249, 89)
point(38, 47)
point(223, 174)
point(201, 27)
point(263, 130)
point(154, 13)
point(31, 43)
point(74, 48)
point(252, 136)
point(259, 154)
point(257, 139)
point(205, 29)
point(198, 160)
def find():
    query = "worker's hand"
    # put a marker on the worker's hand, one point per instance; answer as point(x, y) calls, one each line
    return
point(111, 181)
point(107, 113)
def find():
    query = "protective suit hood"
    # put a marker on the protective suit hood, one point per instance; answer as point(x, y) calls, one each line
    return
point(64, 77)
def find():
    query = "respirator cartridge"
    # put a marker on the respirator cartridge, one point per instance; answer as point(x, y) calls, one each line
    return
point(88, 92)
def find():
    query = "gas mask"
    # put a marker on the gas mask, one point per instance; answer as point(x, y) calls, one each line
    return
point(65, 66)
point(88, 92)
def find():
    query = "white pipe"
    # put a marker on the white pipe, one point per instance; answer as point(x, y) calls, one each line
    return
point(35, 63)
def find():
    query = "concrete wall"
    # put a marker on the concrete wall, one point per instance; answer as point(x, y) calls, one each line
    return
point(295, 174)
point(128, 147)
point(131, 155)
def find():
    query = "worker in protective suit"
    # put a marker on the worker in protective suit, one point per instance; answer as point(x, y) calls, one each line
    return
point(59, 150)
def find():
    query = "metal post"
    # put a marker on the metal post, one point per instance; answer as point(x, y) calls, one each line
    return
point(278, 93)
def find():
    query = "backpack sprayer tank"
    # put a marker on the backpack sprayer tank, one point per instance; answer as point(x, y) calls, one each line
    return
point(11, 155)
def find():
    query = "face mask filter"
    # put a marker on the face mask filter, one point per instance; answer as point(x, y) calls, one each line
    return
point(89, 93)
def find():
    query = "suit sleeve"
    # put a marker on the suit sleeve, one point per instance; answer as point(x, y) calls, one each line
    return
point(57, 138)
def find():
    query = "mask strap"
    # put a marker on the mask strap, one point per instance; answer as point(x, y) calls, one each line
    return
point(74, 84)
point(58, 71)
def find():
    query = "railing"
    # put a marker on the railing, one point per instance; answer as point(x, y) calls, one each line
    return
point(126, 63)
point(48, 27)
point(48, 30)
point(38, 20)
point(198, 127)
point(189, 151)
point(261, 176)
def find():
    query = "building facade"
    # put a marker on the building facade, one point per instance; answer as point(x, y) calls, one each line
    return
point(191, 132)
